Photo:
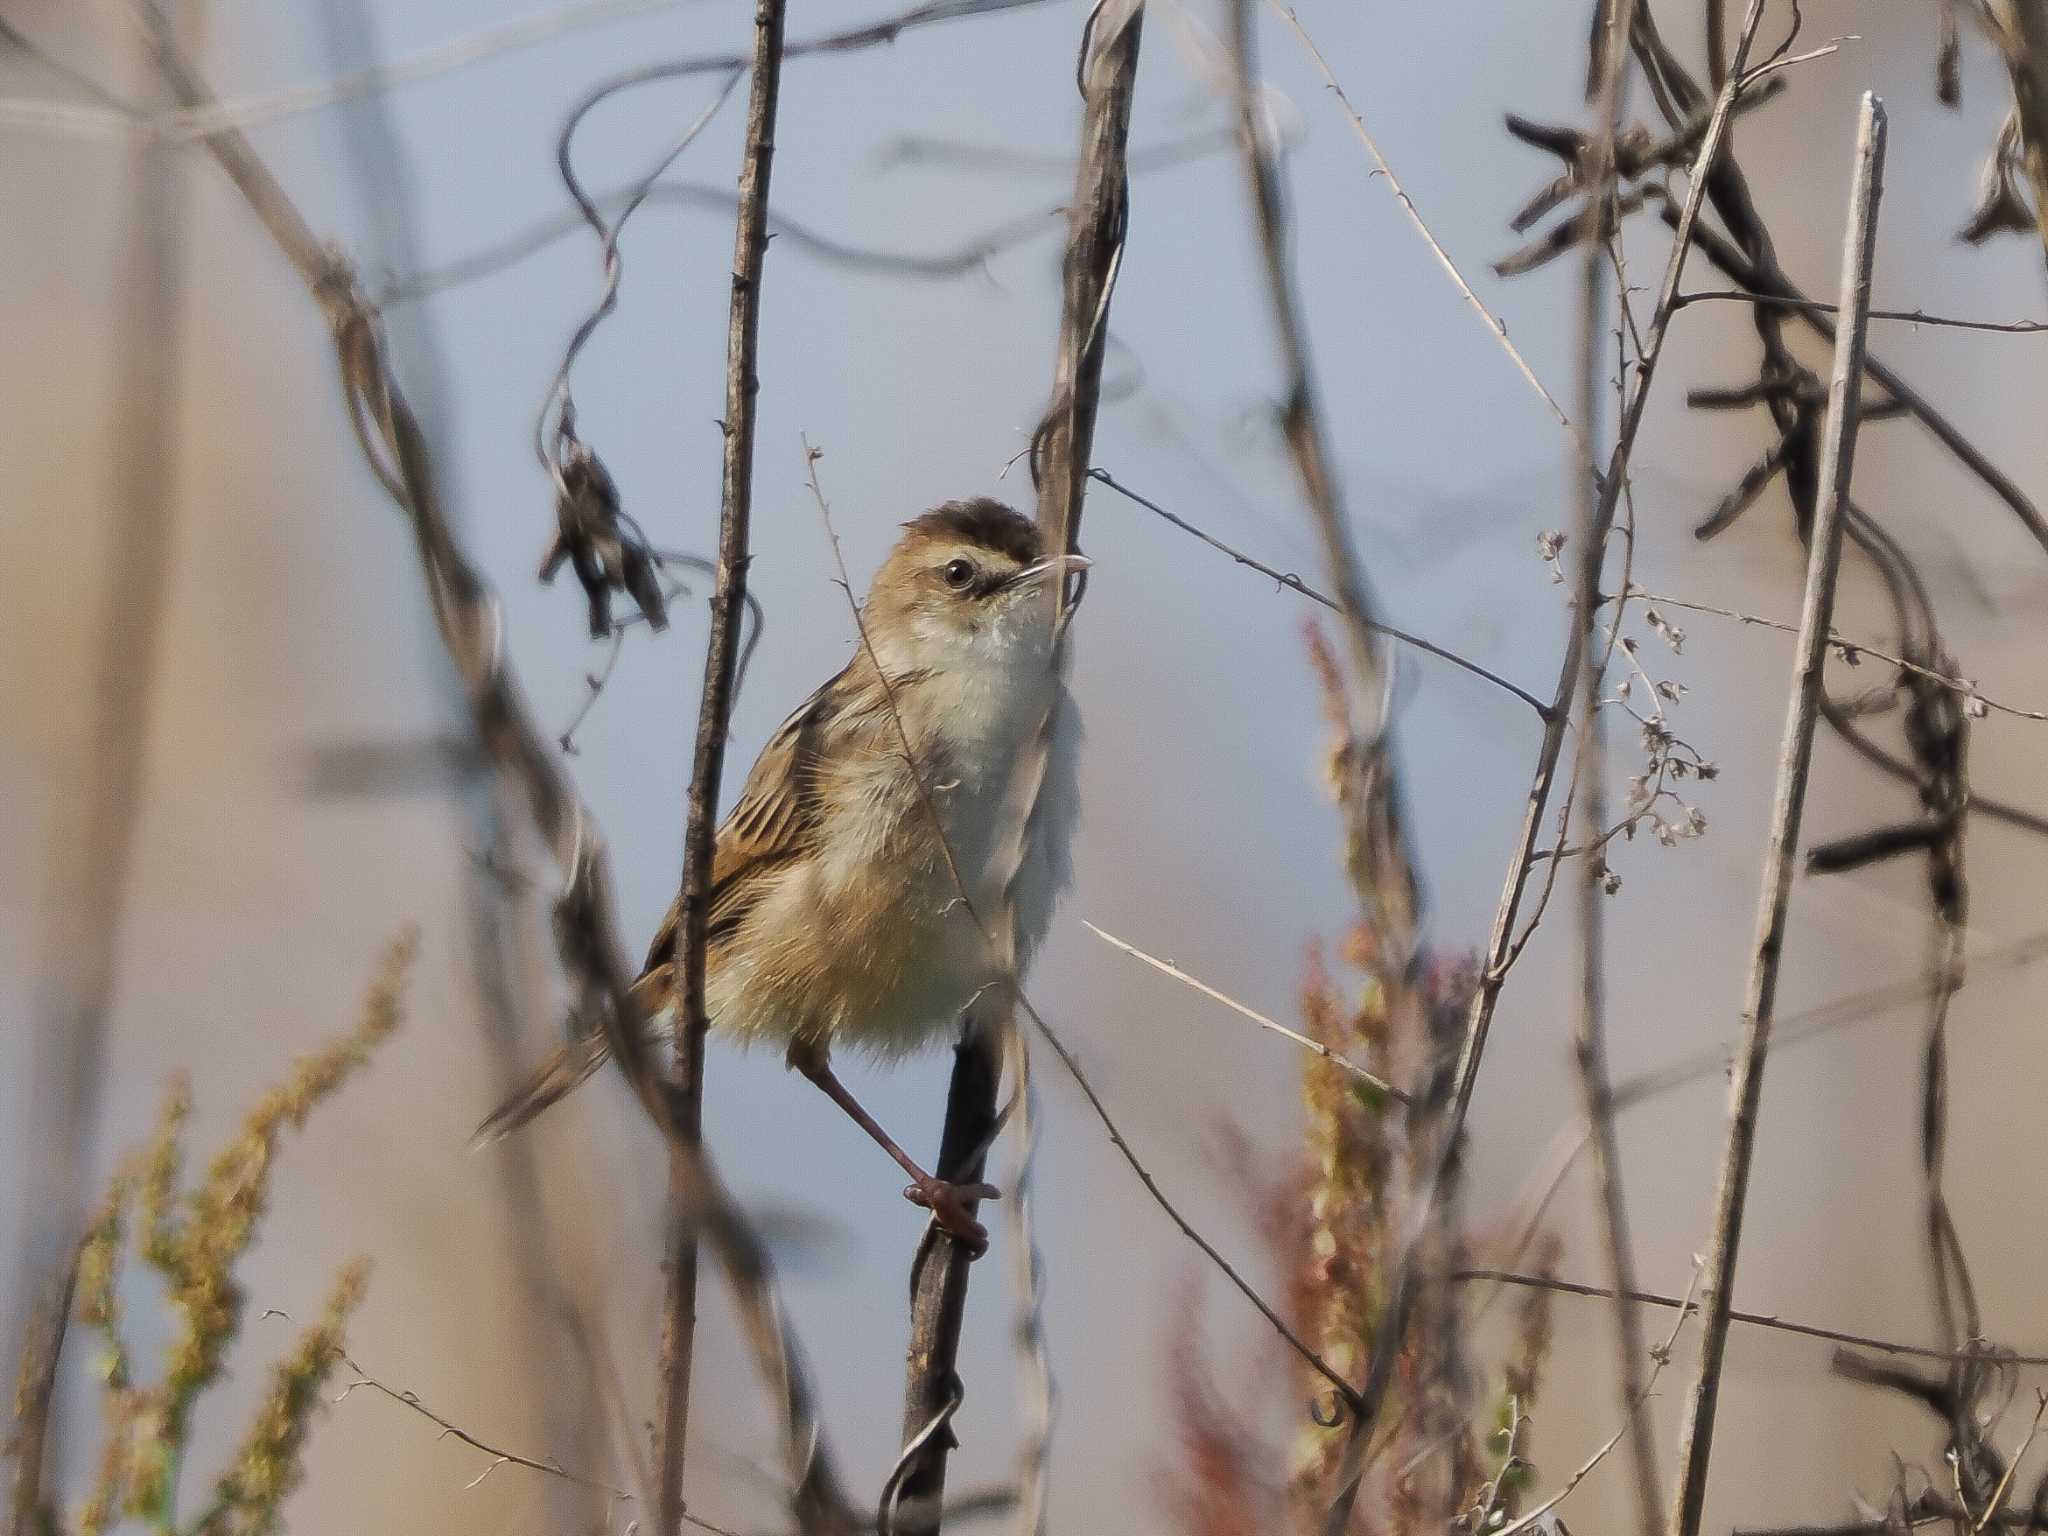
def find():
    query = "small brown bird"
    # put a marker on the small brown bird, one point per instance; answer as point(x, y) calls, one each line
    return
point(836, 914)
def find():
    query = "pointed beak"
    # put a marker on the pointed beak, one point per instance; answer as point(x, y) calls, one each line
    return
point(1058, 565)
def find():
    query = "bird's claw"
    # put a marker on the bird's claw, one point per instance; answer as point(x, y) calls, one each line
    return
point(949, 1204)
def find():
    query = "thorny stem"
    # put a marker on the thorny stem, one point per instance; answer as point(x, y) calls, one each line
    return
point(714, 718)
point(1794, 765)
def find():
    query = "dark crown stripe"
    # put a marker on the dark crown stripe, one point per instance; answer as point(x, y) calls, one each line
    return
point(987, 523)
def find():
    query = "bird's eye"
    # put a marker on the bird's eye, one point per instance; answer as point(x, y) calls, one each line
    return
point(959, 574)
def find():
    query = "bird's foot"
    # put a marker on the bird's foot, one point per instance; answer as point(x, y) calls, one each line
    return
point(948, 1204)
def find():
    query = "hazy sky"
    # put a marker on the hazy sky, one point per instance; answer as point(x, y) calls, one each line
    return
point(295, 621)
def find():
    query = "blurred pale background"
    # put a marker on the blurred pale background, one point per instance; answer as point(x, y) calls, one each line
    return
point(262, 884)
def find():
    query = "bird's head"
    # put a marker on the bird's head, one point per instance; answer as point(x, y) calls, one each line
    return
point(965, 584)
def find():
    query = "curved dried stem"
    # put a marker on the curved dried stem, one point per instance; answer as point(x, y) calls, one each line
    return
point(471, 623)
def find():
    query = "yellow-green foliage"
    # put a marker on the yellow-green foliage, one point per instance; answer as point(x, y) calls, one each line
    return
point(194, 1238)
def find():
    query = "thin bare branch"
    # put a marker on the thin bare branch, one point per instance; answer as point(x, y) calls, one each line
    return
point(1345, 1391)
point(1660, 1357)
point(450, 1430)
point(714, 722)
point(1906, 316)
point(1443, 257)
point(1780, 859)
point(1753, 1319)
point(1853, 650)
point(1294, 583)
point(1167, 967)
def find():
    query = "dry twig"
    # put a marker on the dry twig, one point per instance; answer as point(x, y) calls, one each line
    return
point(34, 1398)
point(1502, 945)
point(1660, 1357)
point(1443, 257)
point(1168, 968)
point(471, 622)
point(714, 720)
point(1753, 1319)
point(1795, 761)
point(1294, 583)
point(1600, 222)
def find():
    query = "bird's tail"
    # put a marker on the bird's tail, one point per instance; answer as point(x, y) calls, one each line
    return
point(559, 1076)
point(570, 1067)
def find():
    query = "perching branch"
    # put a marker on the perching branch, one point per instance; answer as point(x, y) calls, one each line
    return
point(1795, 762)
point(714, 720)
point(1060, 456)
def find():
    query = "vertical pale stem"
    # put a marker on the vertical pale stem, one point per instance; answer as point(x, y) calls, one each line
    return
point(1795, 761)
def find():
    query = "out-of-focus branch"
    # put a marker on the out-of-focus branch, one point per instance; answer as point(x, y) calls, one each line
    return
point(1925, 1508)
point(964, 260)
point(471, 621)
point(2025, 23)
point(1772, 282)
point(26, 1443)
point(190, 125)
point(1589, 773)
point(1502, 944)
point(1795, 762)
point(714, 720)
point(1061, 448)
point(85, 903)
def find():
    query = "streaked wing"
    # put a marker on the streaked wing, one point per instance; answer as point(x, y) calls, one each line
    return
point(768, 826)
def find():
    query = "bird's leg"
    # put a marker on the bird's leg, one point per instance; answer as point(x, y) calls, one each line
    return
point(951, 1205)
